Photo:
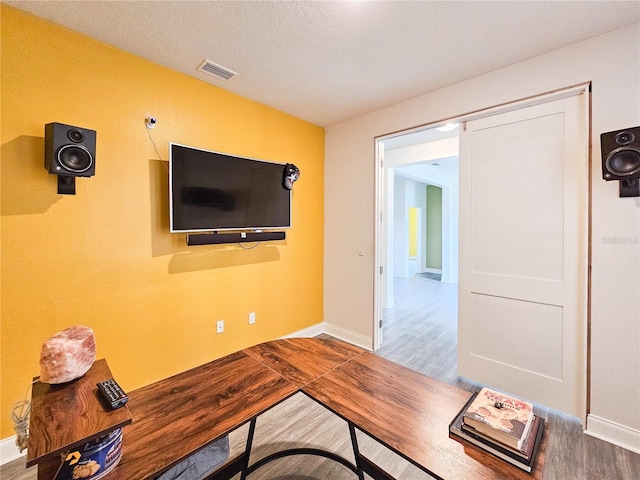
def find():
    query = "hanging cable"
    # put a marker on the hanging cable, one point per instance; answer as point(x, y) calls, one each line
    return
point(20, 416)
point(154, 144)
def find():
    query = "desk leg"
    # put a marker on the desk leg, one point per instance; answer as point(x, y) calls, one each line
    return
point(247, 450)
point(363, 464)
point(356, 451)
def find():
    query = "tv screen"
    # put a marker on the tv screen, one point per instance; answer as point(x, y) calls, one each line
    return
point(211, 191)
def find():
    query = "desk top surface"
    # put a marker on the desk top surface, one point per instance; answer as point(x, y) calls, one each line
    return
point(64, 416)
point(302, 360)
point(404, 410)
point(187, 411)
point(410, 413)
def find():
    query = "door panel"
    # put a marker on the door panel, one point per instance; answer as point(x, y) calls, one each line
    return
point(517, 194)
point(523, 241)
point(502, 327)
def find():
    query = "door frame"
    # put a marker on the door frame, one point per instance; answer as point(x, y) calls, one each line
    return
point(381, 228)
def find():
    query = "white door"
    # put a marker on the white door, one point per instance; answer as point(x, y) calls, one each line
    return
point(523, 252)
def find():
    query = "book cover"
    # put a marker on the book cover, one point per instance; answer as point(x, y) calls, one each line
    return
point(527, 452)
point(503, 452)
point(502, 417)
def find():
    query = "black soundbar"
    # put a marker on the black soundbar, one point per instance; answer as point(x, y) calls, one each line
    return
point(242, 237)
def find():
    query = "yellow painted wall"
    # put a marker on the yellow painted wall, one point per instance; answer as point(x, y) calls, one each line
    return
point(105, 257)
point(413, 231)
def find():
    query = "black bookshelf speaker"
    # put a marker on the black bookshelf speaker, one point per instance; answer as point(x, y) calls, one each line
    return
point(621, 159)
point(621, 154)
point(69, 151)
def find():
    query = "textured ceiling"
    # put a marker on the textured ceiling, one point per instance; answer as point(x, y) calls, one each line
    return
point(326, 62)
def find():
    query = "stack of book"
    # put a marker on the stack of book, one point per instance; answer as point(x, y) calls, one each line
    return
point(502, 425)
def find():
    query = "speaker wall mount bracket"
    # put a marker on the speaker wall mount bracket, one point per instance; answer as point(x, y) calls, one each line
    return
point(630, 187)
point(66, 185)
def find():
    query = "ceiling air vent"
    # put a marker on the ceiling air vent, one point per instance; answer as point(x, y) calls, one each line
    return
point(216, 70)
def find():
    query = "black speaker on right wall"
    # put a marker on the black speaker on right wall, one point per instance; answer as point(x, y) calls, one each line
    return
point(621, 159)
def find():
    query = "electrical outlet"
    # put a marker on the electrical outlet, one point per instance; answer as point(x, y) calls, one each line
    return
point(220, 326)
point(252, 318)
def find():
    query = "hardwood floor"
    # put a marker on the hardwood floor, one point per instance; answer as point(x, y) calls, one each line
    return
point(420, 333)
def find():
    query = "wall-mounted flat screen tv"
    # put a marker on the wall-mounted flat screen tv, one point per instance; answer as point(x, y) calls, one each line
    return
point(212, 191)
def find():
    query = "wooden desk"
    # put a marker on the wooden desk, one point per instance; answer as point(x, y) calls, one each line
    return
point(402, 409)
point(410, 414)
point(175, 417)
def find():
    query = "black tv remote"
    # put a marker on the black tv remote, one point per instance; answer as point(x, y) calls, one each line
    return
point(112, 393)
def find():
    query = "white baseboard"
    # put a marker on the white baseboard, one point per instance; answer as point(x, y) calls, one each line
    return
point(9, 451)
point(433, 270)
point(361, 341)
point(335, 331)
point(614, 433)
point(312, 331)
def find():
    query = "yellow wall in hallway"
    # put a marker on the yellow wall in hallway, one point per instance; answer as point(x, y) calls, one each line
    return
point(105, 257)
point(413, 232)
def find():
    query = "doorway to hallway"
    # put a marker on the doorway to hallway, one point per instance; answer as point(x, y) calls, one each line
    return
point(419, 213)
point(517, 247)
